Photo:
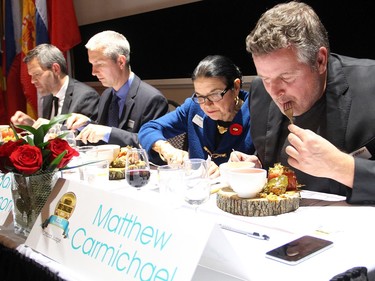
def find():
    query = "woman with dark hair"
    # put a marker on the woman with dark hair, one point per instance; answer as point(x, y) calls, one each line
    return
point(216, 118)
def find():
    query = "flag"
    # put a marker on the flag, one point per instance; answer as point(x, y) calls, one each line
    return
point(28, 43)
point(28, 23)
point(62, 24)
point(3, 113)
point(12, 89)
point(41, 22)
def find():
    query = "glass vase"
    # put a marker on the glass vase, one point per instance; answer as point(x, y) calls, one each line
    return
point(29, 194)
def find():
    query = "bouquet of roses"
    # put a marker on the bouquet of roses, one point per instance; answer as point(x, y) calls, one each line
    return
point(33, 154)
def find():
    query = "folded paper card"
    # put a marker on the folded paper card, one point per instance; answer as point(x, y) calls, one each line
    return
point(6, 201)
point(104, 236)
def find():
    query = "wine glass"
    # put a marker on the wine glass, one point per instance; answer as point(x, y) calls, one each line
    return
point(70, 137)
point(137, 168)
point(197, 185)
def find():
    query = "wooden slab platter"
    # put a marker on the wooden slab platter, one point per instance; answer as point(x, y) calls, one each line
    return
point(228, 201)
point(116, 173)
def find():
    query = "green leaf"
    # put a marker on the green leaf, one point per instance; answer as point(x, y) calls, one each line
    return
point(30, 140)
point(14, 131)
point(43, 145)
point(41, 132)
point(56, 161)
point(62, 135)
point(80, 165)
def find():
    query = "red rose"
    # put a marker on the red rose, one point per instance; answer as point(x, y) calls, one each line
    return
point(57, 146)
point(235, 129)
point(27, 159)
point(7, 148)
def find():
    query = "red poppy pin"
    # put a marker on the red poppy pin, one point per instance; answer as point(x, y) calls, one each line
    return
point(235, 129)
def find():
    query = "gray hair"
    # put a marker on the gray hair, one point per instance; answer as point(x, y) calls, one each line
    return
point(47, 55)
point(292, 24)
point(111, 43)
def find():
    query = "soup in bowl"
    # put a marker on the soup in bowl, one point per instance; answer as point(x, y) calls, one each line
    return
point(247, 182)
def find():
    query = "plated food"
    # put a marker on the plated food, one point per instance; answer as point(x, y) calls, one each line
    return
point(280, 195)
point(7, 133)
point(281, 179)
point(117, 166)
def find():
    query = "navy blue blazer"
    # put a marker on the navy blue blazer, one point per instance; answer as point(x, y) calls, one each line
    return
point(185, 119)
point(143, 103)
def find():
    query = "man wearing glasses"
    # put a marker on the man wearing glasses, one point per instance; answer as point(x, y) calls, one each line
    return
point(215, 119)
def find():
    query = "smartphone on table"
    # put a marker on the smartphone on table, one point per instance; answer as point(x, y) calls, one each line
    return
point(299, 250)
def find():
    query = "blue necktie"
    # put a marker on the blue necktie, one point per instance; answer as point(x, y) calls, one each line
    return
point(113, 112)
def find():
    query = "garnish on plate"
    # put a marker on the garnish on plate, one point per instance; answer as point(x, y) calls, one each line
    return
point(281, 179)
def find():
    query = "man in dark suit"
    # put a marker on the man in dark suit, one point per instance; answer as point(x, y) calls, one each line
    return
point(60, 93)
point(331, 143)
point(126, 104)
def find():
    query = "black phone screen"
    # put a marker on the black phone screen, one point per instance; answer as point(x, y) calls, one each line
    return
point(300, 249)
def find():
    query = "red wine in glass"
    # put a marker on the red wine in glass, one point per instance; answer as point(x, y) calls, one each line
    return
point(137, 178)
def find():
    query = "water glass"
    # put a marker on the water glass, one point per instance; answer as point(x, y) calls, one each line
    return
point(84, 158)
point(96, 173)
point(70, 137)
point(170, 180)
point(196, 185)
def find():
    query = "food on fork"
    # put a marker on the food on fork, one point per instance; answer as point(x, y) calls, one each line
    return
point(288, 110)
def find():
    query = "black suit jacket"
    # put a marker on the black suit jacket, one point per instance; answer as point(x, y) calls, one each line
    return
point(349, 118)
point(143, 103)
point(79, 98)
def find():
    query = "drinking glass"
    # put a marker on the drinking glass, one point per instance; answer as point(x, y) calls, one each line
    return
point(169, 177)
point(196, 185)
point(53, 132)
point(70, 137)
point(137, 168)
point(170, 180)
point(97, 173)
point(84, 158)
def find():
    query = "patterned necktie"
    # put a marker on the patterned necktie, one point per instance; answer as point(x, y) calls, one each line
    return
point(113, 112)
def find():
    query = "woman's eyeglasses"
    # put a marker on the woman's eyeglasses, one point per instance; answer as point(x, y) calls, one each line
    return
point(212, 98)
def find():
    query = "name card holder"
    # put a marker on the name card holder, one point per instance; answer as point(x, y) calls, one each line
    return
point(107, 236)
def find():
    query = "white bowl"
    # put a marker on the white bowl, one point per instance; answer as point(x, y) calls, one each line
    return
point(4, 127)
point(114, 147)
point(233, 166)
point(247, 182)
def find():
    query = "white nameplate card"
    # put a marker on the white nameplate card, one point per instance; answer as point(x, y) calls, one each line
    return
point(107, 236)
point(6, 200)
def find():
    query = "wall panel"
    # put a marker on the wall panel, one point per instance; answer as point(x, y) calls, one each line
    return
point(169, 43)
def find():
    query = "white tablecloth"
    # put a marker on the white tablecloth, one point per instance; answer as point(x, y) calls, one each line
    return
point(349, 227)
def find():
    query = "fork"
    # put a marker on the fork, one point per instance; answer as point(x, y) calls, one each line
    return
point(288, 110)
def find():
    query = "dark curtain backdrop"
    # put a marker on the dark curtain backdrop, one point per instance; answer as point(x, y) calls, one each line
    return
point(169, 43)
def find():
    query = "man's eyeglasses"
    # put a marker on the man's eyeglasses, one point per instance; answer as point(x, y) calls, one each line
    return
point(212, 98)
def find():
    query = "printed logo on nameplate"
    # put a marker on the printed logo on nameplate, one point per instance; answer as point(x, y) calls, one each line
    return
point(60, 219)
